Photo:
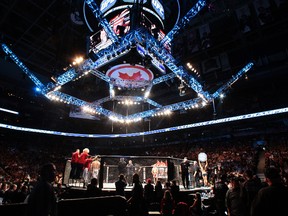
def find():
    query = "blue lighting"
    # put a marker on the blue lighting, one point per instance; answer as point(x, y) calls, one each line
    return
point(184, 21)
point(144, 133)
point(232, 80)
point(9, 111)
point(147, 46)
point(103, 22)
point(20, 64)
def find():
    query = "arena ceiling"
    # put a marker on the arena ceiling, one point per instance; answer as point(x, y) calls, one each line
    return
point(48, 35)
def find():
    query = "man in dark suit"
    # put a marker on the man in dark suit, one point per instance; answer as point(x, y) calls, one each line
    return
point(185, 172)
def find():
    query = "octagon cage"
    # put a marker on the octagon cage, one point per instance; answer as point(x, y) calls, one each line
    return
point(156, 168)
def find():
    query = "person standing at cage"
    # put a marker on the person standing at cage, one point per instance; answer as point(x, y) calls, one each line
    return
point(203, 165)
point(74, 163)
point(86, 171)
point(203, 169)
point(185, 172)
point(130, 172)
point(154, 172)
point(122, 166)
point(82, 159)
point(95, 167)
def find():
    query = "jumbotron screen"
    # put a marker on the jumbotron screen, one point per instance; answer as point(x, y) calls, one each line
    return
point(118, 14)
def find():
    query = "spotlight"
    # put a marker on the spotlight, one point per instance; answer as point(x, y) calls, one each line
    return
point(37, 89)
point(78, 60)
point(146, 95)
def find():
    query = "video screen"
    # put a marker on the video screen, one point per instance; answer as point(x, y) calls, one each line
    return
point(121, 26)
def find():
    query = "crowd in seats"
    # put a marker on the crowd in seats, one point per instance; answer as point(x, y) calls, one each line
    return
point(19, 170)
point(276, 155)
point(20, 163)
point(235, 157)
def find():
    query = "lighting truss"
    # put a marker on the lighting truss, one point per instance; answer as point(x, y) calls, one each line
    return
point(232, 80)
point(145, 133)
point(20, 64)
point(184, 21)
point(146, 45)
point(127, 98)
point(103, 22)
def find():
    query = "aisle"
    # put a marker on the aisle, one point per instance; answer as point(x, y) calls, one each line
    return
point(261, 166)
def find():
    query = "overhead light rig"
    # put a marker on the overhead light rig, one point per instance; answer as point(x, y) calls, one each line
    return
point(150, 48)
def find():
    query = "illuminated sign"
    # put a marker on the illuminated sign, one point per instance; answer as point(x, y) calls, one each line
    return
point(106, 4)
point(134, 76)
point(158, 8)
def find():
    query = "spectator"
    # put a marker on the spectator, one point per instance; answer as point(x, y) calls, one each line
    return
point(167, 186)
point(92, 189)
point(273, 199)
point(167, 204)
point(120, 185)
point(137, 206)
point(10, 194)
point(148, 192)
point(236, 199)
point(220, 189)
point(3, 189)
point(42, 200)
point(158, 191)
point(252, 186)
point(175, 189)
point(196, 208)
point(21, 194)
point(181, 209)
point(59, 191)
